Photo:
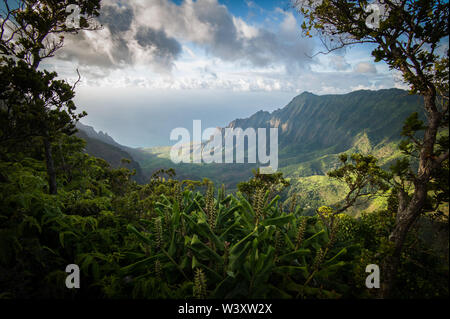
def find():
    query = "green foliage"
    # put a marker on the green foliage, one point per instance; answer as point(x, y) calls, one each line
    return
point(272, 183)
point(38, 105)
point(168, 239)
point(34, 104)
point(247, 252)
point(363, 177)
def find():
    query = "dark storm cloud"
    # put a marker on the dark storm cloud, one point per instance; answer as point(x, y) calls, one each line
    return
point(117, 18)
point(164, 46)
point(121, 52)
point(224, 42)
point(111, 47)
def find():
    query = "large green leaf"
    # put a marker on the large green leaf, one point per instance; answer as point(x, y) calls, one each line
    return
point(294, 254)
point(278, 221)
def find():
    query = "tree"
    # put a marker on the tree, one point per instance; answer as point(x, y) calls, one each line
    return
point(407, 35)
point(363, 177)
point(33, 103)
point(273, 183)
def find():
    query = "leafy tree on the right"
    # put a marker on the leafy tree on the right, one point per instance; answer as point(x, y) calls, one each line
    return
point(409, 37)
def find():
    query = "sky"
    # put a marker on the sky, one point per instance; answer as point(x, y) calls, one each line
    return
point(160, 64)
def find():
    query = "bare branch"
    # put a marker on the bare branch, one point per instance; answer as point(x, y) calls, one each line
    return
point(77, 81)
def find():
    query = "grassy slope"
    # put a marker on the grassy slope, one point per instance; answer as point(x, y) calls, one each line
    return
point(309, 179)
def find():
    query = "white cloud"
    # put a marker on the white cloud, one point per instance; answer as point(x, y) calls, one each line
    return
point(289, 24)
point(365, 67)
point(158, 44)
point(399, 83)
point(151, 33)
point(245, 31)
point(339, 63)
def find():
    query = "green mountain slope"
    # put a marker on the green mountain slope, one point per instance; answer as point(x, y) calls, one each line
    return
point(311, 125)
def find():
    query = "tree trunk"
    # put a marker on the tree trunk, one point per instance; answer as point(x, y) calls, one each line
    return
point(405, 219)
point(51, 173)
point(409, 210)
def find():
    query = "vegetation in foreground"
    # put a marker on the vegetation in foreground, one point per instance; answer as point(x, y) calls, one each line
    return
point(172, 239)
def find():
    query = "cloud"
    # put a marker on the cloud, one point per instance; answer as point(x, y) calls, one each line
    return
point(365, 67)
point(106, 48)
point(121, 42)
point(198, 45)
point(163, 48)
point(153, 32)
point(338, 63)
point(117, 17)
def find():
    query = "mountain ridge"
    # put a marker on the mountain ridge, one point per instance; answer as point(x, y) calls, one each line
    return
point(101, 145)
point(298, 119)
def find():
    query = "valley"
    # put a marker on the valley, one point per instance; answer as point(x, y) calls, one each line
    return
point(313, 131)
